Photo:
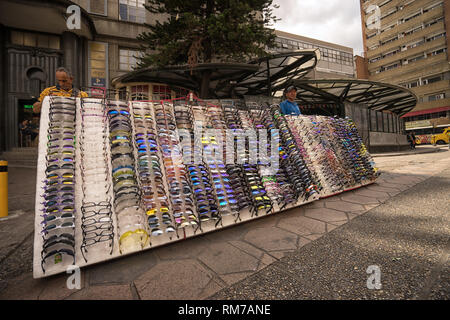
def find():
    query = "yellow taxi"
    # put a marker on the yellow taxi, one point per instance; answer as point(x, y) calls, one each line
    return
point(442, 138)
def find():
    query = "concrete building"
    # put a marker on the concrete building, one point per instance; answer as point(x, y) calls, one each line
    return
point(35, 39)
point(335, 61)
point(406, 43)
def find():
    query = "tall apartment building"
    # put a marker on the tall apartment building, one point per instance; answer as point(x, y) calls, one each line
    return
point(336, 61)
point(406, 43)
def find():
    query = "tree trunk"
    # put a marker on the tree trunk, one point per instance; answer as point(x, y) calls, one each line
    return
point(204, 87)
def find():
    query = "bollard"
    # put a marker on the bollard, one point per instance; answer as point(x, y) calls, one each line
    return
point(3, 189)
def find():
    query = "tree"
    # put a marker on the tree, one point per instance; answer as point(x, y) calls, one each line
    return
point(203, 31)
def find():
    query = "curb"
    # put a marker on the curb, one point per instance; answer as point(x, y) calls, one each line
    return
point(380, 155)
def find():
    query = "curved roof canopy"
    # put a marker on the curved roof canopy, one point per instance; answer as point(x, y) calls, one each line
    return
point(375, 95)
point(261, 76)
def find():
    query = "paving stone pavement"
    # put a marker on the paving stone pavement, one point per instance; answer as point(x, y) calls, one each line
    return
point(291, 255)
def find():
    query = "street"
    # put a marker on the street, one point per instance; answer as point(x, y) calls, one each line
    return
point(399, 227)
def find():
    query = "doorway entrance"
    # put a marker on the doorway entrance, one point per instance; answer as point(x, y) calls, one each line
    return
point(28, 123)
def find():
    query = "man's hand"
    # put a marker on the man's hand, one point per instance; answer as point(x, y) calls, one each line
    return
point(37, 107)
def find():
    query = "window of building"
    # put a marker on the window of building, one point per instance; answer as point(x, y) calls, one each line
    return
point(38, 40)
point(433, 6)
point(161, 92)
point(129, 59)
point(98, 7)
point(436, 52)
point(414, 15)
point(437, 36)
point(417, 58)
point(434, 21)
point(433, 79)
point(139, 92)
point(435, 97)
point(132, 10)
point(180, 92)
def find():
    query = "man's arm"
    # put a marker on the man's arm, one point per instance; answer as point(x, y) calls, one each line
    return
point(38, 105)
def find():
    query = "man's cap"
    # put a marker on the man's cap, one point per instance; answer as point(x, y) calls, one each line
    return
point(290, 88)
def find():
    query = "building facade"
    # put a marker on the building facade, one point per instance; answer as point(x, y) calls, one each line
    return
point(336, 61)
point(36, 38)
point(406, 43)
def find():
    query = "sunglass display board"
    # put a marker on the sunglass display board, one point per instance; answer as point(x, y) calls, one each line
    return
point(117, 177)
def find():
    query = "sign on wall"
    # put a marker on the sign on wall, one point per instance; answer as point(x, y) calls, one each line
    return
point(98, 65)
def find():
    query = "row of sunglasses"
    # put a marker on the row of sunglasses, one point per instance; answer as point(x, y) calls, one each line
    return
point(338, 152)
point(58, 213)
point(131, 224)
point(96, 209)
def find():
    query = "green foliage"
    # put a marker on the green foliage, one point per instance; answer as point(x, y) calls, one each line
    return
point(197, 31)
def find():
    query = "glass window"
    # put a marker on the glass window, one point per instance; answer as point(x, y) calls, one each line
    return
point(139, 92)
point(128, 59)
point(98, 7)
point(161, 92)
point(29, 39)
point(132, 10)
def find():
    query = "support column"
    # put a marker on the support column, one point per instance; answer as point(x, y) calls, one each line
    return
point(73, 49)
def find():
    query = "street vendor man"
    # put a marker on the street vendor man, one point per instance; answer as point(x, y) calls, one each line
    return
point(64, 88)
point(289, 106)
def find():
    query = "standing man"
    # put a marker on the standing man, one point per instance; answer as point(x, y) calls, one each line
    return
point(413, 138)
point(64, 88)
point(289, 106)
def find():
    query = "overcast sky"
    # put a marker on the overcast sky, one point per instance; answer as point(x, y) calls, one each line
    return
point(336, 21)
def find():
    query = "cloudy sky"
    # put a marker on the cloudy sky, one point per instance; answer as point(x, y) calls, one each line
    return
point(336, 21)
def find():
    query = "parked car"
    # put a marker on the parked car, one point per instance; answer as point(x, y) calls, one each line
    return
point(442, 138)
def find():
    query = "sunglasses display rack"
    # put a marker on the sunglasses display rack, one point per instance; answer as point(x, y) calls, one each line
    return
point(97, 223)
point(56, 214)
point(130, 184)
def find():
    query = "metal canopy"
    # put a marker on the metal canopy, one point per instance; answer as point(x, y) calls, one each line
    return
point(264, 76)
point(375, 95)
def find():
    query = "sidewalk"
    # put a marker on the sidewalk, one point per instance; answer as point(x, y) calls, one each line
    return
point(419, 150)
point(293, 255)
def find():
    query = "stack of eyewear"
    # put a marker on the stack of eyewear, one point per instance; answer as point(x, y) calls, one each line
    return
point(277, 184)
point(153, 192)
point(322, 159)
point(356, 153)
point(58, 213)
point(258, 193)
point(223, 185)
point(97, 220)
point(180, 192)
point(301, 177)
point(131, 224)
point(201, 173)
point(235, 171)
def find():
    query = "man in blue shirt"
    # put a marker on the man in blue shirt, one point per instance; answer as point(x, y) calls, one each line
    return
point(289, 106)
